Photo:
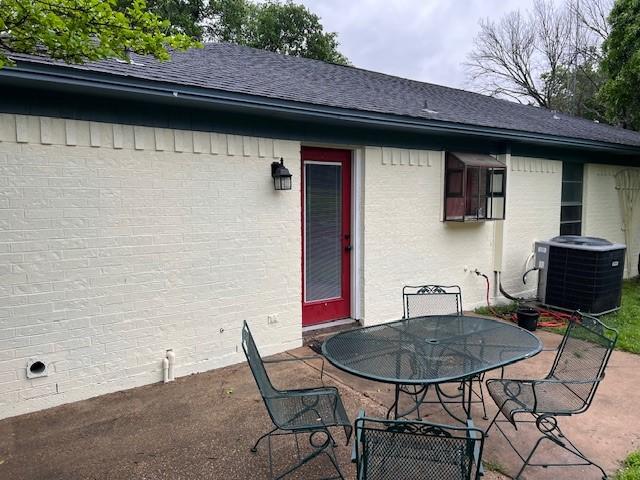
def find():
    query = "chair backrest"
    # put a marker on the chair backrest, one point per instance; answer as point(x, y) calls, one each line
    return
point(255, 363)
point(423, 300)
point(583, 355)
point(414, 450)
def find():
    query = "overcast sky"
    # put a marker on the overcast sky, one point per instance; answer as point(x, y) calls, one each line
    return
point(425, 40)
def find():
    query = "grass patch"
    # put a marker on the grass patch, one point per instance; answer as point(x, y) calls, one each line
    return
point(626, 320)
point(501, 309)
point(499, 468)
point(630, 469)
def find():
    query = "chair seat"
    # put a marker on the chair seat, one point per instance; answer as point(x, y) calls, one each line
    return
point(307, 409)
point(514, 396)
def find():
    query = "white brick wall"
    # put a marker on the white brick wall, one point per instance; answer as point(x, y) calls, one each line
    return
point(119, 242)
point(404, 240)
point(406, 243)
point(533, 213)
point(602, 212)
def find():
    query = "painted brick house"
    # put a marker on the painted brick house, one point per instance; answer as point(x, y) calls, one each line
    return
point(138, 211)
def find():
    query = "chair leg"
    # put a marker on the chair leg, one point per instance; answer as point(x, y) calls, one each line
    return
point(334, 444)
point(579, 454)
point(394, 407)
point(484, 407)
point(335, 463)
point(528, 459)
point(492, 422)
point(415, 396)
point(479, 395)
point(319, 449)
point(254, 449)
point(571, 448)
point(548, 426)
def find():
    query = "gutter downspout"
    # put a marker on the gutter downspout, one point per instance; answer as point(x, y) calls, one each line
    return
point(498, 231)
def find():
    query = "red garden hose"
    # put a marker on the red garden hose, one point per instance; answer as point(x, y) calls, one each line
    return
point(554, 319)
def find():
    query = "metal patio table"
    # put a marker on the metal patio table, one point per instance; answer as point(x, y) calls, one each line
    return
point(430, 351)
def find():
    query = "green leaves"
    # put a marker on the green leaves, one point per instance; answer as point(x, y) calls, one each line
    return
point(286, 28)
point(77, 31)
point(621, 65)
point(631, 468)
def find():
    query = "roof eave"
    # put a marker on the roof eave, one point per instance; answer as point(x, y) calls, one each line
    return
point(97, 82)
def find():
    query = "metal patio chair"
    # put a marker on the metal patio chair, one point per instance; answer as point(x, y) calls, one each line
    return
point(415, 450)
point(436, 300)
point(307, 411)
point(427, 300)
point(568, 389)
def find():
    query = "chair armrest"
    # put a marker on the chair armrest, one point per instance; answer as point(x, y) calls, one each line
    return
point(534, 384)
point(544, 350)
point(356, 441)
point(307, 392)
point(554, 381)
point(295, 359)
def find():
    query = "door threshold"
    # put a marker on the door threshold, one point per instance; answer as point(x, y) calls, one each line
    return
point(334, 323)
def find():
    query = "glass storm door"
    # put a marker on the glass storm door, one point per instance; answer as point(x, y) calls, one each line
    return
point(326, 235)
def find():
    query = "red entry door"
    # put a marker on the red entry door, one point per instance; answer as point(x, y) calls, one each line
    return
point(326, 235)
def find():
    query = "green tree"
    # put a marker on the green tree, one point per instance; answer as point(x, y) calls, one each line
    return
point(185, 16)
point(574, 90)
point(286, 28)
point(77, 31)
point(621, 65)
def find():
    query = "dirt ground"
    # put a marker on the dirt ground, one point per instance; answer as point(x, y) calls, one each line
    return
point(202, 427)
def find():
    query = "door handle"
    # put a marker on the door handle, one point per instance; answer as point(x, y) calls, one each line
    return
point(348, 248)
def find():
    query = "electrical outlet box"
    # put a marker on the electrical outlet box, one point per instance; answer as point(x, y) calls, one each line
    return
point(271, 319)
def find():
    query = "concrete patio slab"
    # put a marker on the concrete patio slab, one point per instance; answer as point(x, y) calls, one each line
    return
point(202, 426)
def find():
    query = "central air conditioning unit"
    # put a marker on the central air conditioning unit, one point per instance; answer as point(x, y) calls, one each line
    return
point(580, 273)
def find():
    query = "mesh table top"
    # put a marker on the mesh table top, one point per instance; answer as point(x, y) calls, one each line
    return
point(428, 350)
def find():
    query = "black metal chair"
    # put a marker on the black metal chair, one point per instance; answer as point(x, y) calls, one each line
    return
point(308, 411)
point(568, 389)
point(441, 301)
point(414, 450)
point(427, 300)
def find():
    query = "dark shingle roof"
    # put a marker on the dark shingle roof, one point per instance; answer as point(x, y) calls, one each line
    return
point(246, 70)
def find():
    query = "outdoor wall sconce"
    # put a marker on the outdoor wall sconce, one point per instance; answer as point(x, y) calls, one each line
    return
point(281, 176)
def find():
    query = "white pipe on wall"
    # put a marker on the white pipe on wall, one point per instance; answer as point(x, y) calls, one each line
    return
point(165, 370)
point(498, 231)
point(171, 358)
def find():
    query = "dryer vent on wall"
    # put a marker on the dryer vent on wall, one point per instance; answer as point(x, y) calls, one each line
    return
point(580, 273)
